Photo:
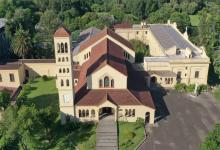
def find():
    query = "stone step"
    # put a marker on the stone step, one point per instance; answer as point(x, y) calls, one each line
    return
point(112, 144)
point(106, 148)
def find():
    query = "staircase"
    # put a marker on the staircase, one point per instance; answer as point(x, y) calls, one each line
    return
point(106, 134)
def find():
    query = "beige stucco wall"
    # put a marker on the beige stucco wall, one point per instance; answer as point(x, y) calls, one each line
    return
point(188, 67)
point(119, 112)
point(130, 34)
point(120, 80)
point(18, 76)
point(40, 69)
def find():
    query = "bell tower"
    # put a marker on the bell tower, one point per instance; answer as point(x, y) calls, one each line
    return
point(64, 72)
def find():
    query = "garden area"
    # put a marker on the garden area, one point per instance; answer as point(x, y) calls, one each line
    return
point(34, 123)
point(216, 93)
point(130, 134)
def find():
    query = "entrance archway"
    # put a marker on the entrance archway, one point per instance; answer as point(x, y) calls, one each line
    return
point(147, 117)
point(106, 111)
point(153, 79)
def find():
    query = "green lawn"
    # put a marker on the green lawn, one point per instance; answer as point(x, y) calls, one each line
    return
point(44, 94)
point(217, 94)
point(130, 135)
point(194, 20)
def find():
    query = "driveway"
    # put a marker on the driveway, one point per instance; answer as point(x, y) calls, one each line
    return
point(185, 121)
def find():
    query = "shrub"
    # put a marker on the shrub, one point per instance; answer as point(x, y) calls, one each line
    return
point(130, 135)
point(45, 78)
point(202, 88)
point(190, 88)
point(181, 87)
point(139, 122)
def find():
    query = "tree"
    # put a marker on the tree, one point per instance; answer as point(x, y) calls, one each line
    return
point(4, 99)
point(212, 141)
point(141, 50)
point(182, 20)
point(21, 43)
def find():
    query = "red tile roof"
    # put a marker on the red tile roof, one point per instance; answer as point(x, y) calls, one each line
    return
point(118, 97)
point(123, 25)
point(62, 32)
point(100, 35)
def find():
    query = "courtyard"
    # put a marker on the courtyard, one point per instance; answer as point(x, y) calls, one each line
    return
point(182, 121)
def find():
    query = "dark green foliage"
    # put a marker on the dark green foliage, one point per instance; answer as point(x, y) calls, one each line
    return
point(45, 78)
point(141, 50)
point(212, 141)
point(190, 88)
point(181, 87)
point(139, 122)
point(4, 99)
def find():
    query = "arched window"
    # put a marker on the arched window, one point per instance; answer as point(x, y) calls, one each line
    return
point(67, 70)
point(106, 81)
point(67, 83)
point(87, 113)
point(67, 59)
point(61, 83)
point(80, 113)
point(58, 48)
point(62, 48)
point(59, 59)
point(112, 83)
point(133, 113)
point(126, 112)
point(93, 113)
point(60, 70)
point(64, 70)
point(130, 113)
point(63, 59)
point(100, 83)
point(66, 48)
point(83, 113)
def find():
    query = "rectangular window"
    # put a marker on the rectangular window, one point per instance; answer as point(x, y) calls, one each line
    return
point(0, 78)
point(197, 74)
point(179, 74)
point(12, 77)
point(137, 32)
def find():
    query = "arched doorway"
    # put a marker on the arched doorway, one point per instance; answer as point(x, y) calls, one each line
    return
point(106, 111)
point(147, 117)
point(153, 79)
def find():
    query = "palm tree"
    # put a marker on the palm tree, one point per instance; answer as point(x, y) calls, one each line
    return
point(21, 43)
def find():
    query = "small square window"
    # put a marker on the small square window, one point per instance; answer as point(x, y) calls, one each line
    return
point(12, 77)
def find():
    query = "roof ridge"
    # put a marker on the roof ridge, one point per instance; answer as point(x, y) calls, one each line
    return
point(134, 97)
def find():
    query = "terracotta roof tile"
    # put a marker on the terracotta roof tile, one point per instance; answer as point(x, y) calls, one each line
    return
point(62, 32)
point(123, 25)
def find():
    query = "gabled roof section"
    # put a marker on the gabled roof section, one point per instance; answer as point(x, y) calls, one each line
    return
point(100, 35)
point(62, 32)
point(104, 53)
point(112, 55)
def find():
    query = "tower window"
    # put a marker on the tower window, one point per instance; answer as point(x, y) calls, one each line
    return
point(63, 59)
point(58, 48)
point(64, 70)
point(59, 59)
point(60, 70)
point(62, 47)
point(67, 70)
point(61, 83)
point(67, 83)
point(67, 59)
point(66, 48)
point(106, 81)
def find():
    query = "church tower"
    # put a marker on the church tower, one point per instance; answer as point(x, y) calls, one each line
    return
point(64, 71)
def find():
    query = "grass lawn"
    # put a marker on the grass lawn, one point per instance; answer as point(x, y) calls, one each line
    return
point(194, 20)
point(42, 93)
point(217, 94)
point(130, 135)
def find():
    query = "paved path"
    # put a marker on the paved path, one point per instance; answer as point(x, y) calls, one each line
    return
point(106, 134)
point(187, 123)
